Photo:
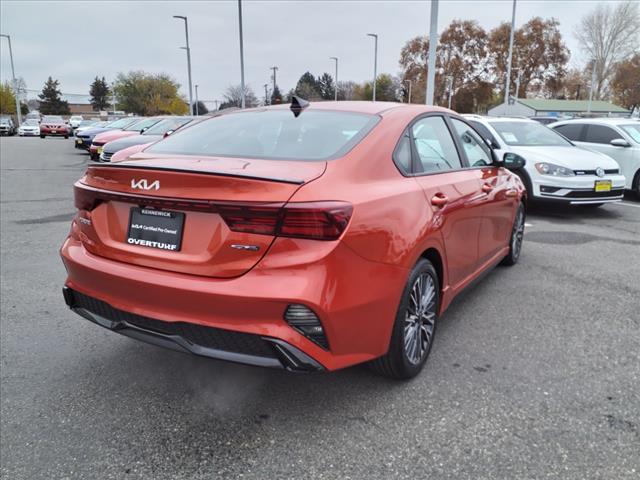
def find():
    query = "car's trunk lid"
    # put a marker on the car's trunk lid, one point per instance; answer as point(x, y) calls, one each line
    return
point(130, 194)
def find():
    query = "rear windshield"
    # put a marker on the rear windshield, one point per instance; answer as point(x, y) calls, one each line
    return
point(528, 134)
point(633, 131)
point(141, 124)
point(167, 125)
point(123, 122)
point(272, 134)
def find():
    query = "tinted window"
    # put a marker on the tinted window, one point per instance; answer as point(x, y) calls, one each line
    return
point(272, 134)
point(572, 131)
point(484, 131)
point(600, 134)
point(402, 155)
point(477, 151)
point(528, 134)
point(137, 126)
point(123, 122)
point(435, 147)
point(167, 125)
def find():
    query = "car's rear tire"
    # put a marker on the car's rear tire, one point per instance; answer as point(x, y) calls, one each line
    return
point(516, 238)
point(414, 326)
point(66, 137)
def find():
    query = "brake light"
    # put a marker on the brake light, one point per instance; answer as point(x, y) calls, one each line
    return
point(312, 220)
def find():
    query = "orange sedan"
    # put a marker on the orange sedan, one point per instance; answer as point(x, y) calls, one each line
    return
point(310, 237)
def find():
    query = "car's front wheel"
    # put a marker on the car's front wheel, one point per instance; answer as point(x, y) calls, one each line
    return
point(516, 238)
point(414, 326)
point(42, 136)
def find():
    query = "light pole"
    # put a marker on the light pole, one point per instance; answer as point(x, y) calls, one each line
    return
point(513, 26)
point(433, 44)
point(186, 33)
point(450, 88)
point(266, 85)
point(113, 96)
point(518, 78)
point(409, 98)
point(593, 81)
point(197, 109)
point(336, 79)
point(15, 82)
point(375, 62)
point(242, 95)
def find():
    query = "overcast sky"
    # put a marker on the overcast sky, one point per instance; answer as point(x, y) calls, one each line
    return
point(74, 41)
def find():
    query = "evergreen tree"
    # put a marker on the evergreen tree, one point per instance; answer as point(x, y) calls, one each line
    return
point(326, 87)
point(50, 101)
point(276, 96)
point(99, 92)
point(201, 108)
point(307, 87)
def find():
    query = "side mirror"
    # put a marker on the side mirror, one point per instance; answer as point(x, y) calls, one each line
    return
point(619, 142)
point(513, 161)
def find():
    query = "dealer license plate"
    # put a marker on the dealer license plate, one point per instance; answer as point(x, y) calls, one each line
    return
point(153, 228)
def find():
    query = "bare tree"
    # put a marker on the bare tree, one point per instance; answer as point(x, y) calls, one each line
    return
point(233, 97)
point(609, 35)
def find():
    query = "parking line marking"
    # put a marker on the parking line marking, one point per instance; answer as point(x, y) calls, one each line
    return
point(627, 204)
point(527, 224)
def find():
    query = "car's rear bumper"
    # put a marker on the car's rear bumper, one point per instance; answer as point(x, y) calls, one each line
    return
point(578, 190)
point(356, 301)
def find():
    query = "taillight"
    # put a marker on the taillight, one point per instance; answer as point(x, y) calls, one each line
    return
point(312, 220)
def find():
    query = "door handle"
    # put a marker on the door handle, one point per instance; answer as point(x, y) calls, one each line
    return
point(486, 188)
point(439, 200)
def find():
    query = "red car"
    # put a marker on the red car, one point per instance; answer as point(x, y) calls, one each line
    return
point(311, 239)
point(105, 137)
point(54, 126)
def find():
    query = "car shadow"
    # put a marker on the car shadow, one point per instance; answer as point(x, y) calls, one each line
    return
point(560, 213)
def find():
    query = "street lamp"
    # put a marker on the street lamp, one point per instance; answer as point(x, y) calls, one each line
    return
point(593, 82)
point(513, 26)
point(433, 44)
point(409, 82)
point(197, 110)
point(450, 88)
point(186, 33)
point(336, 89)
point(242, 95)
point(15, 82)
point(375, 62)
point(266, 93)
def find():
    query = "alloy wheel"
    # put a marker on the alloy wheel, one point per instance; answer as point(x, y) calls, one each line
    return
point(518, 234)
point(420, 319)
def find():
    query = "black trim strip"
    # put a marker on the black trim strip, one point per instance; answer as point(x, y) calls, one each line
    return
point(197, 172)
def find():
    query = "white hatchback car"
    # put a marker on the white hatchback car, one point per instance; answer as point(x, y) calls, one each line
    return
point(617, 137)
point(555, 168)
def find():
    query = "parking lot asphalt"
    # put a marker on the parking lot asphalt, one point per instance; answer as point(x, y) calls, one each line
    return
point(534, 373)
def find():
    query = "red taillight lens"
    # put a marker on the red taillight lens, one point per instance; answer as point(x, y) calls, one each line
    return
point(250, 218)
point(84, 198)
point(315, 220)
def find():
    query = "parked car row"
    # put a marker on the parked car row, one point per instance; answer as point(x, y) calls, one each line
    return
point(104, 140)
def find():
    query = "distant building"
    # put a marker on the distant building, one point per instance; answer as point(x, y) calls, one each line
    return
point(79, 104)
point(531, 107)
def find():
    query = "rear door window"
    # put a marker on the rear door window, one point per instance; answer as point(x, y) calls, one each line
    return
point(573, 131)
point(600, 134)
point(477, 151)
point(434, 145)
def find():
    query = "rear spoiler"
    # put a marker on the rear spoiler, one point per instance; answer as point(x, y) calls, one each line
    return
point(199, 172)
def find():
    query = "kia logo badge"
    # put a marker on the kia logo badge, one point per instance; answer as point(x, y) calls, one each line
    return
point(143, 184)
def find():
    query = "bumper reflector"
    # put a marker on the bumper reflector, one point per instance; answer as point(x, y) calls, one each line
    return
point(305, 321)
